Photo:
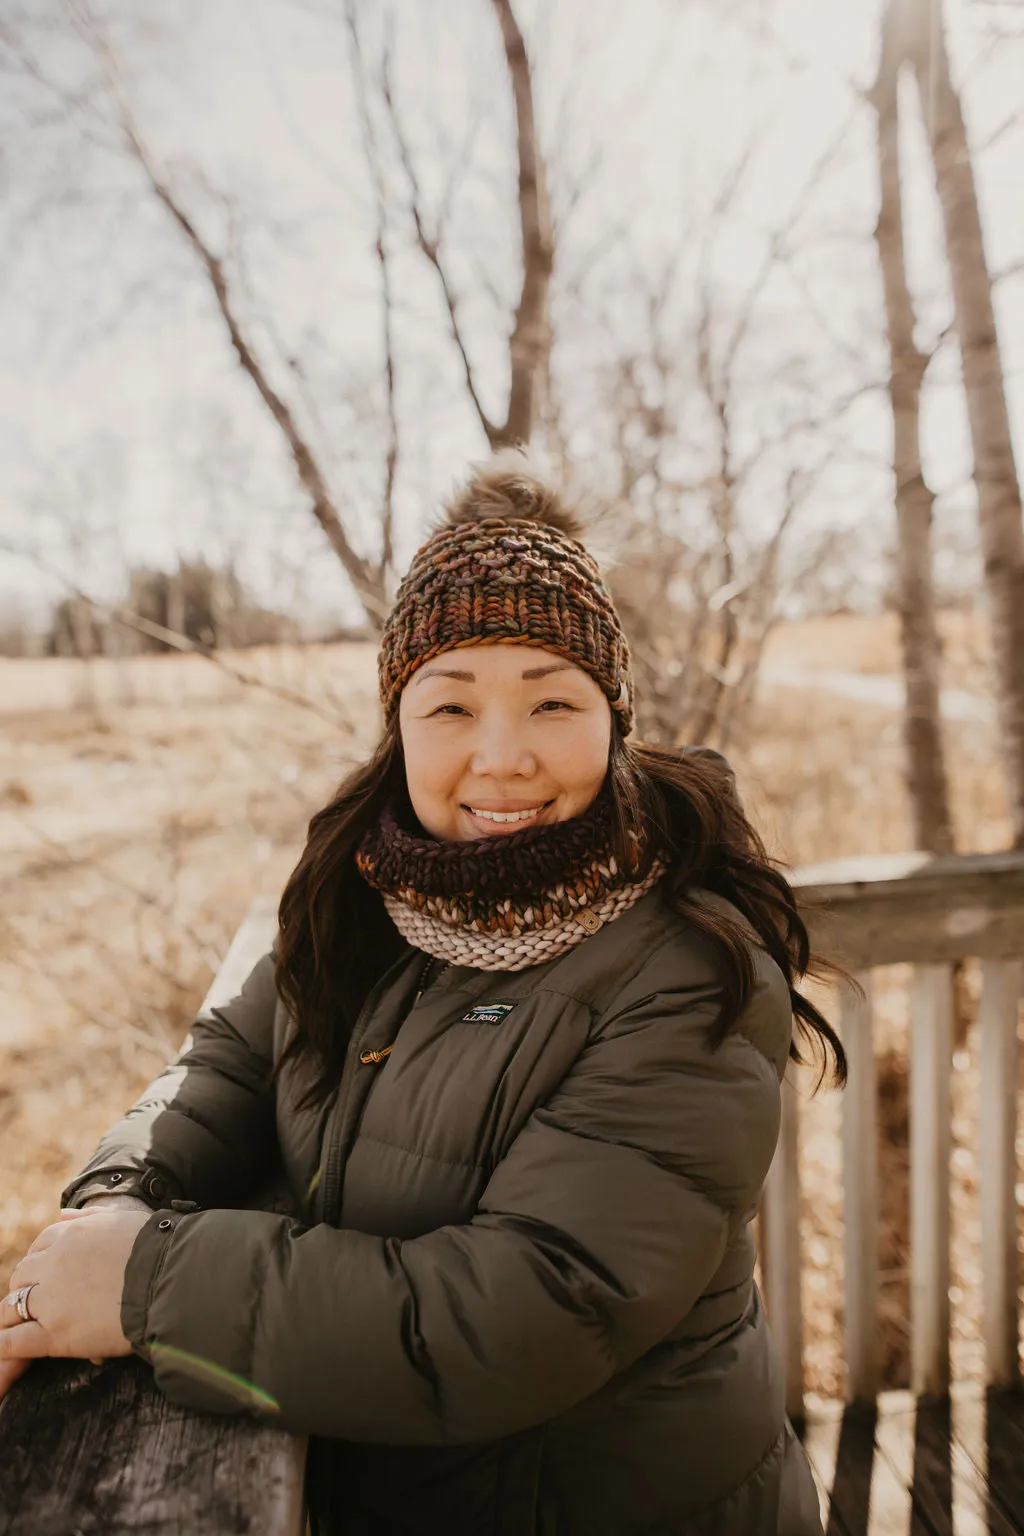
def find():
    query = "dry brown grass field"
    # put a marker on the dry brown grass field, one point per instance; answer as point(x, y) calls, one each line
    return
point(141, 811)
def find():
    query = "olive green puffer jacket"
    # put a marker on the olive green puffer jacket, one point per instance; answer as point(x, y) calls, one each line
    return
point(516, 1293)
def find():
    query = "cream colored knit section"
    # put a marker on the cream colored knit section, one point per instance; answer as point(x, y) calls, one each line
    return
point(512, 952)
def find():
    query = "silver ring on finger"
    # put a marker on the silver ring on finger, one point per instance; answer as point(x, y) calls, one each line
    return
point(19, 1300)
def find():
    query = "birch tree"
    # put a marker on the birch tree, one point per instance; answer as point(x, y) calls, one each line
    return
point(922, 725)
point(923, 41)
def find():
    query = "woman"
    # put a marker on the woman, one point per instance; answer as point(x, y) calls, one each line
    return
point(518, 1050)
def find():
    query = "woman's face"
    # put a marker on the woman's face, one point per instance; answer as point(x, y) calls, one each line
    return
point(501, 737)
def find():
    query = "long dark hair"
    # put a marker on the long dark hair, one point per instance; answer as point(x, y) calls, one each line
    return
point(336, 940)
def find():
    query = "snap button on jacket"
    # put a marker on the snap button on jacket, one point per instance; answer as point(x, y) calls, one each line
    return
point(513, 1291)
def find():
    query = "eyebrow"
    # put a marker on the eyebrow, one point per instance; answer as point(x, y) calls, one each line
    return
point(558, 666)
point(529, 675)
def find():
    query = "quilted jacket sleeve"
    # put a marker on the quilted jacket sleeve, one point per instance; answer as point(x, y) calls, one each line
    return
point(595, 1235)
point(204, 1129)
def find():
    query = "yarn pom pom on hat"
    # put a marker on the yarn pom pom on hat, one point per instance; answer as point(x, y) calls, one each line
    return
point(507, 565)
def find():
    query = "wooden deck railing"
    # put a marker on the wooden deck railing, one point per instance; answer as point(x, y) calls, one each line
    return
point(928, 911)
point(97, 1448)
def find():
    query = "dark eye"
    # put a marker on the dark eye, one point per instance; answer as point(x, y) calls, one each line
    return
point(551, 705)
point(444, 709)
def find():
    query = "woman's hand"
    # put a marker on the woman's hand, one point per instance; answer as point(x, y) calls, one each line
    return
point(76, 1269)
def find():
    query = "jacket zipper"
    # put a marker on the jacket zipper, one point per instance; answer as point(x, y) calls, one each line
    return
point(374, 1058)
point(331, 1202)
point(331, 1186)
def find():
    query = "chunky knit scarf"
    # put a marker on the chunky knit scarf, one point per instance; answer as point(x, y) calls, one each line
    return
point(506, 902)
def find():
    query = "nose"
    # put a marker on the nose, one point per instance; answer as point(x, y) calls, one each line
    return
point(499, 751)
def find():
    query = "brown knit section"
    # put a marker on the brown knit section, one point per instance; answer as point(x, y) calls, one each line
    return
point(484, 869)
point(495, 900)
point(481, 583)
point(514, 915)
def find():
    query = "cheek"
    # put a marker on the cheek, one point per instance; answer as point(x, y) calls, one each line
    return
point(580, 757)
point(432, 763)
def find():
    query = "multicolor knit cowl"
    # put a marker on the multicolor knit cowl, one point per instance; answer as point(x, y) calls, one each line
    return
point(503, 903)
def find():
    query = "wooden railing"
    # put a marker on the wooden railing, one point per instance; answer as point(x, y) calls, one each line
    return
point(97, 1447)
point(929, 912)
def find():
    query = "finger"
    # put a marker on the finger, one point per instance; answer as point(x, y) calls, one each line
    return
point(44, 1238)
point(10, 1317)
point(25, 1272)
point(10, 1370)
point(28, 1341)
point(50, 1234)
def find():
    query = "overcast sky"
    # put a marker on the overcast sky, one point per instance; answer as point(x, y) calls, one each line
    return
point(127, 429)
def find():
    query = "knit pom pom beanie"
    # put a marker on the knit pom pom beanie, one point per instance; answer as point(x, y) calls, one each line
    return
point(508, 566)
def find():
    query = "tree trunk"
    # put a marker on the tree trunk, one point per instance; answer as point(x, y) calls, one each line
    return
point(922, 726)
point(995, 470)
point(530, 341)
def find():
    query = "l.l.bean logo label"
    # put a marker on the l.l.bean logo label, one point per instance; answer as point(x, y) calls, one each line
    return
point(487, 1013)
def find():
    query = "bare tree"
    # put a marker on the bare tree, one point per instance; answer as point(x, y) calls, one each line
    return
point(105, 116)
point(107, 104)
point(920, 26)
point(708, 510)
point(698, 641)
point(926, 763)
point(530, 338)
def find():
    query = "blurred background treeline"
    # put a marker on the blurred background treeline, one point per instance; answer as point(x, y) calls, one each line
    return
point(748, 275)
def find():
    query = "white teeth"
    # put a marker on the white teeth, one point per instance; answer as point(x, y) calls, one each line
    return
point(508, 815)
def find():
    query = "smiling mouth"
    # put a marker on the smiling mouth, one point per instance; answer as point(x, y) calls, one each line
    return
point(509, 818)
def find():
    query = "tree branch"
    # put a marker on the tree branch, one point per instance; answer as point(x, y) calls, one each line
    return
point(1014, 269)
point(430, 245)
point(310, 475)
point(777, 242)
point(380, 200)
